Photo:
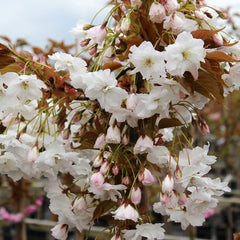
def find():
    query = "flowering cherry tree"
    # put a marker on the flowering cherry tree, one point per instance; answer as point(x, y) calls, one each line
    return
point(114, 118)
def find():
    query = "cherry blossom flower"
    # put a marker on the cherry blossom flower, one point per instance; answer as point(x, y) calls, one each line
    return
point(146, 177)
point(136, 195)
point(144, 144)
point(157, 12)
point(148, 61)
point(124, 212)
point(167, 184)
point(147, 230)
point(60, 231)
point(97, 33)
point(185, 55)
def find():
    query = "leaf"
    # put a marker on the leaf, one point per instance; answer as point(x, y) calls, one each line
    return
point(169, 122)
point(187, 82)
point(4, 49)
point(206, 36)
point(209, 86)
point(112, 66)
point(220, 57)
point(10, 68)
point(102, 208)
point(236, 236)
point(5, 61)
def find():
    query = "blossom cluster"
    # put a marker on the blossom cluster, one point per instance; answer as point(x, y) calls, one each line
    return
point(105, 127)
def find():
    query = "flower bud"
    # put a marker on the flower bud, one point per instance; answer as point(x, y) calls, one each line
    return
point(92, 50)
point(100, 141)
point(30, 209)
point(131, 102)
point(167, 184)
point(97, 33)
point(97, 180)
point(85, 42)
point(171, 6)
point(79, 205)
point(113, 135)
point(178, 173)
point(116, 237)
point(125, 139)
point(126, 180)
point(157, 12)
point(182, 200)
point(115, 169)
point(146, 177)
point(136, 3)
point(60, 231)
point(136, 195)
point(125, 24)
point(98, 160)
point(144, 144)
point(65, 133)
point(104, 168)
point(218, 39)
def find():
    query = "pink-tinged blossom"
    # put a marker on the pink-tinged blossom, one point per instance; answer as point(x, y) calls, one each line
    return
point(136, 3)
point(182, 200)
point(97, 180)
point(79, 205)
point(136, 195)
point(147, 230)
point(185, 54)
point(97, 33)
point(125, 24)
point(144, 144)
point(171, 5)
point(100, 141)
point(30, 209)
point(125, 139)
point(126, 180)
point(104, 168)
point(131, 102)
point(65, 134)
point(126, 212)
point(115, 169)
point(167, 184)
point(39, 202)
point(116, 237)
point(148, 61)
point(157, 12)
point(146, 177)
point(209, 213)
point(60, 231)
point(113, 135)
point(98, 160)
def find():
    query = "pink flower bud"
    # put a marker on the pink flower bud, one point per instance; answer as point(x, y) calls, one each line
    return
point(209, 213)
point(126, 180)
point(92, 50)
point(60, 231)
point(76, 117)
point(30, 209)
point(131, 102)
point(98, 160)
point(171, 201)
point(171, 6)
point(199, 14)
point(65, 134)
point(84, 42)
point(100, 141)
point(144, 144)
point(39, 202)
point(136, 195)
point(79, 205)
point(125, 139)
point(167, 184)
point(113, 135)
point(116, 237)
point(146, 177)
point(115, 169)
point(176, 24)
point(97, 179)
point(104, 168)
point(32, 154)
point(203, 127)
point(125, 24)
point(218, 39)
point(97, 33)
point(178, 173)
point(157, 12)
point(136, 3)
point(8, 119)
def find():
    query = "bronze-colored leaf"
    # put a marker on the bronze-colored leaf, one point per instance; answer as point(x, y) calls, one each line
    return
point(169, 122)
point(10, 68)
point(102, 208)
point(5, 61)
point(236, 236)
point(208, 86)
point(220, 57)
point(4, 49)
point(112, 66)
point(187, 82)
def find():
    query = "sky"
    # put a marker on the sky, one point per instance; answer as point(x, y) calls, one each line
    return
point(36, 21)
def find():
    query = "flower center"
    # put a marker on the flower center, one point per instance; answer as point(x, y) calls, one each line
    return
point(148, 62)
